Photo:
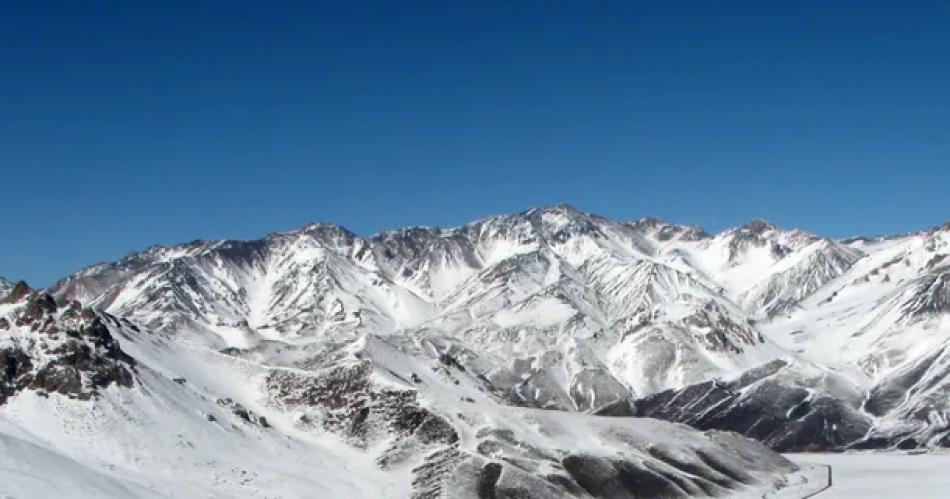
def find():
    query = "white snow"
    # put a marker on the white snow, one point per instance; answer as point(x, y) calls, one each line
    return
point(156, 441)
point(883, 475)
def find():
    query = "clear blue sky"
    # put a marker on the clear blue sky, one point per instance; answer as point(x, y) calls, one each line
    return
point(136, 123)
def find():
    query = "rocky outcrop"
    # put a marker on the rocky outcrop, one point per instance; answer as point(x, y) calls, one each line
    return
point(65, 350)
point(343, 399)
point(16, 367)
point(241, 412)
point(17, 292)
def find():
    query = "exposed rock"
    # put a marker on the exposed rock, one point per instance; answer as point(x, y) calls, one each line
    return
point(19, 291)
point(61, 351)
point(774, 403)
point(350, 404)
point(243, 413)
point(16, 372)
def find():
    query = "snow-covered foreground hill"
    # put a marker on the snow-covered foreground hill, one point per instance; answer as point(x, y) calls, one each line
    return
point(502, 357)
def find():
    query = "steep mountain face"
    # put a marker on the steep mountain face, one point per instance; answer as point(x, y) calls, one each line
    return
point(879, 324)
point(561, 306)
point(425, 351)
point(887, 316)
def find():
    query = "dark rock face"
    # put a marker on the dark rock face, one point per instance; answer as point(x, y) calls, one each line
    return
point(20, 290)
point(487, 480)
point(96, 355)
point(601, 477)
point(908, 437)
point(664, 231)
point(14, 376)
point(663, 472)
point(429, 477)
point(58, 379)
point(917, 395)
point(932, 296)
point(350, 404)
point(724, 334)
point(757, 227)
point(596, 389)
point(39, 306)
point(340, 396)
point(621, 408)
point(762, 405)
point(885, 396)
point(243, 413)
point(70, 351)
point(660, 471)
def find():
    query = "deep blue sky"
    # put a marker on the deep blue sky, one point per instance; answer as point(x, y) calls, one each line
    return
point(129, 124)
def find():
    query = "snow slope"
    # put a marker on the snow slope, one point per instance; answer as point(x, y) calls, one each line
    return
point(870, 474)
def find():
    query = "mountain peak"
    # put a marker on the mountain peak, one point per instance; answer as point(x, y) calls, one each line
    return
point(652, 222)
point(558, 209)
point(322, 230)
point(757, 226)
point(560, 221)
point(319, 226)
point(665, 231)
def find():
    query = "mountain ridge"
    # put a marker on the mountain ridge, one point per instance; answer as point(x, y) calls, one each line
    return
point(643, 221)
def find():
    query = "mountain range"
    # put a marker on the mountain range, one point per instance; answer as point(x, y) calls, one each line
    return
point(522, 355)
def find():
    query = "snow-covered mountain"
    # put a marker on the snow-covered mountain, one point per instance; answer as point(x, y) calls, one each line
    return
point(867, 328)
point(555, 292)
point(427, 354)
point(888, 318)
